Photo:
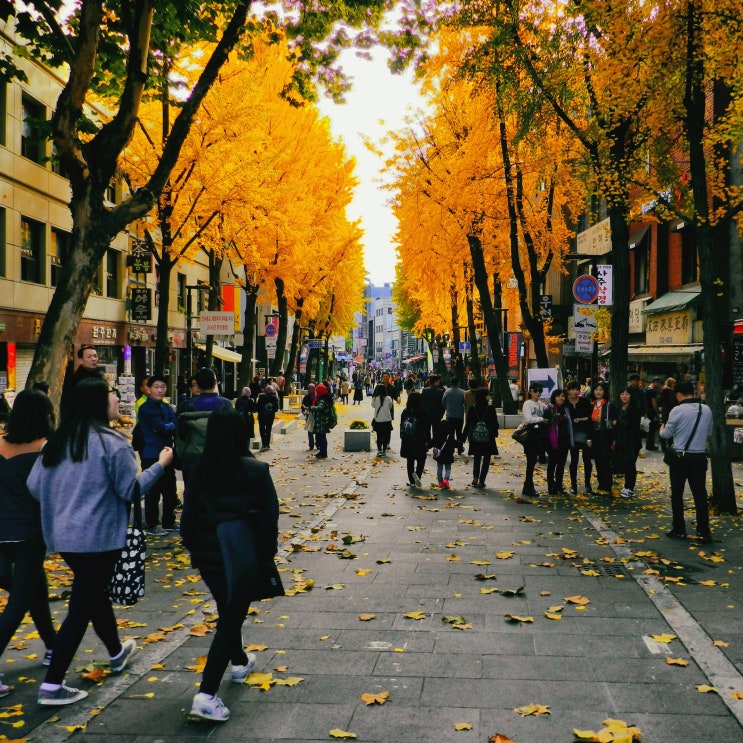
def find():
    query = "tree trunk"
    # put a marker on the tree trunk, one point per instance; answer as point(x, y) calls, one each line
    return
point(90, 239)
point(245, 370)
point(723, 487)
point(492, 317)
point(291, 372)
point(165, 267)
point(277, 365)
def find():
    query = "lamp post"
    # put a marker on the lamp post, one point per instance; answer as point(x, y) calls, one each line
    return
point(300, 338)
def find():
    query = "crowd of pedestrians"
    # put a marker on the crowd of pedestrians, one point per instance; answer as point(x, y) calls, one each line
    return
point(70, 489)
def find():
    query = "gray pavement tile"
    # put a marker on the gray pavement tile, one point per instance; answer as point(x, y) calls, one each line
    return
point(328, 661)
point(318, 689)
point(587, 646)
point(645, 670)
point(515, 643)
point(385, 639)
point(682, 697)
point(425, 665)
point(290, 722)
point(689, 726)
point(536, 668)
point(479, 693)
point(411, 723)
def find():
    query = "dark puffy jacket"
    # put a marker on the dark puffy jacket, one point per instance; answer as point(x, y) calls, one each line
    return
point(257, 499)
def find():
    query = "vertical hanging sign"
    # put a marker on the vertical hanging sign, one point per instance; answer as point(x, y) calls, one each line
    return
point(604, 275)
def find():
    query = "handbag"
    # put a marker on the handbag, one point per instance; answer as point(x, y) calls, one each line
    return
point(521, 435)
point(310, 422)
point(248, 575)
point(645, 424)
point(126, 586)
point(672, 455)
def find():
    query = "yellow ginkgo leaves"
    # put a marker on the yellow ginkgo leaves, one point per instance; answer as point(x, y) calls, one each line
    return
point(665, 638)
point(677, 662)
point(503, 555)
point(417, 614)
point(533, 709)
point(379, 698)
point(341, 734)
point(614, 731)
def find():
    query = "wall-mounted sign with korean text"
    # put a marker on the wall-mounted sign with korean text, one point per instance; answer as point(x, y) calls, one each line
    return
point(605, 278)
point(670, 329)
point(141, 304)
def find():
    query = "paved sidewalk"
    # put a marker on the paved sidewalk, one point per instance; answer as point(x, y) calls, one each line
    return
point(456, 563)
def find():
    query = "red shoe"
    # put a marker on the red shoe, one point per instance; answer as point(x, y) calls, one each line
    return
point(445, 485)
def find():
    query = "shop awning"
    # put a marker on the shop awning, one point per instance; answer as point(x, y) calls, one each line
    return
point(637, 237)
point(672, 301)
point(223, 353)
point(682, 353)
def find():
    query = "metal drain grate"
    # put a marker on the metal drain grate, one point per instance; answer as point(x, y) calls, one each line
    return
point(607, 569)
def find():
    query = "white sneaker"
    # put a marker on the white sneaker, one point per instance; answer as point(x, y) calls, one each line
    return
point(129, 647)
point(240, 673)
point(627, 493)
point(205, 707)
point(417, 480)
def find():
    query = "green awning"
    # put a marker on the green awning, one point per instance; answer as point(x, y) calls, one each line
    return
point(673, 301)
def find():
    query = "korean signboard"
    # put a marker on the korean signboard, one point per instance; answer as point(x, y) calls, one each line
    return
point(605, 278)
point(670, 329)
point(217, 323)
point(141, 304)
point(595, 240)
point(141, 258)
point(512, 350)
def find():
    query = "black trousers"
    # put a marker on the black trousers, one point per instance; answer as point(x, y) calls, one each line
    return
point(415, 464)
point(265, 424)
point(480, 467)
point(692, 469)
point(227, 645)
point(166, 489)
point(88, 603)
point(575, 453)
point(27, 591)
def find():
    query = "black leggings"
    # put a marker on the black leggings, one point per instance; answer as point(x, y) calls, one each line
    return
point(416, 464)
point(88, 603)
point(227, 645)
point(587, 464)
point(265, 425)
point(384, 434)
point(27, 591)
point(480, 467)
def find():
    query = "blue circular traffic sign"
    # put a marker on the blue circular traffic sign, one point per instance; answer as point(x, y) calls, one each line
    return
point(586, 289)
point(270, 331)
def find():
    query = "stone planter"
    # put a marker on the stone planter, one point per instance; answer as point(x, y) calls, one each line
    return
point(357, 440)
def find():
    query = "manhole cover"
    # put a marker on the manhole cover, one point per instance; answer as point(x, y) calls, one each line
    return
point(609, 570)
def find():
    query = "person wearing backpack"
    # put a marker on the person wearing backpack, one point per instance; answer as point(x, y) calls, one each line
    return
point(323, 411)
point(481, 430)
point(267, 405)
point(413, 437)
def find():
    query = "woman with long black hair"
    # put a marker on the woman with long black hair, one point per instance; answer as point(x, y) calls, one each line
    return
point(228, 484)
point(22, 547)
point(601, 437)
point(383, 406)
point(85, 480)
point(627, 441)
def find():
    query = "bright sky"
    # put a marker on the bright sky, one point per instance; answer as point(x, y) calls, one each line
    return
point(377, 103)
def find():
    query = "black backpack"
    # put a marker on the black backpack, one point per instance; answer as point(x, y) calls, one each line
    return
point(480, 433)
point(408, 427)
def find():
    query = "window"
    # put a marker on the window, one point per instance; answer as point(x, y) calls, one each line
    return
point(112, 273)
point(58, 247)
point(32, 143)
point(642, 268)
point(182, 293)
point(32, 250)
point(689, 261)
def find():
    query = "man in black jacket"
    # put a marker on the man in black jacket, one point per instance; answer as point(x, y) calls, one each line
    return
point(432, 405)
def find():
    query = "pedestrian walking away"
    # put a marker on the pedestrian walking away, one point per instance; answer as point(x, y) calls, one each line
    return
point(481, 430)
point(382, 419)
point(245, 405)
point(228, 485)
point(22, 548)
point(413, 437)
point(324, 415)
point(85, 480)
point(453, 402)
point(444, 445)
point(307, 402)
point(689, 427)
point(432, 405)
point(267, 406)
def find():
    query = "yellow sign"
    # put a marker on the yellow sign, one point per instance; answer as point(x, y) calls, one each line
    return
point(671, 329)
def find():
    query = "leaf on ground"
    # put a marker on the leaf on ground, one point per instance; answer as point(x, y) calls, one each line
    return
point(198, 667)
point(261, 680)
point(707, 582)
point(551, 615)
point(590, 573)
point(499, 738)
point(96, 674)
point(199, 630)
point(516, 618)
point(289, 681)
point(380, 698)
point(335, 587)
point(480, 562)
point(453, 620)
point(417, 614)
point(363, 571)
point(255, 648)
point(721, 644)
point(665, 639)
point(677, 662)
point(484, 576)
point(367, 617)
point(579, 600)
point(512, 591)
point(503, 555)
point(737, 694)
point(706, 689)
point(452, 558)
point(533, 709)
point(149, 695)
point(486, 591)
point(462, 626)
point(384, 561)
point(74, 728)
point(462, 726)
point(342, 734)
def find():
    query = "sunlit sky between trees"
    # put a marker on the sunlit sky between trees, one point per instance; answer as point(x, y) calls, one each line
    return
point(377, 103)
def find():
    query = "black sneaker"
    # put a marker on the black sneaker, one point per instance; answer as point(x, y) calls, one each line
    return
point(60, 697)
point(704, 538)
point(676, 534)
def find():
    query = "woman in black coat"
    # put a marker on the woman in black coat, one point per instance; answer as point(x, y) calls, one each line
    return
point(627, 441)
point(481, 412)
point(228, 484)
point(413, 437)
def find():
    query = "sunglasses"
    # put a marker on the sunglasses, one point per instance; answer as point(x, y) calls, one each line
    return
point(114, 391)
